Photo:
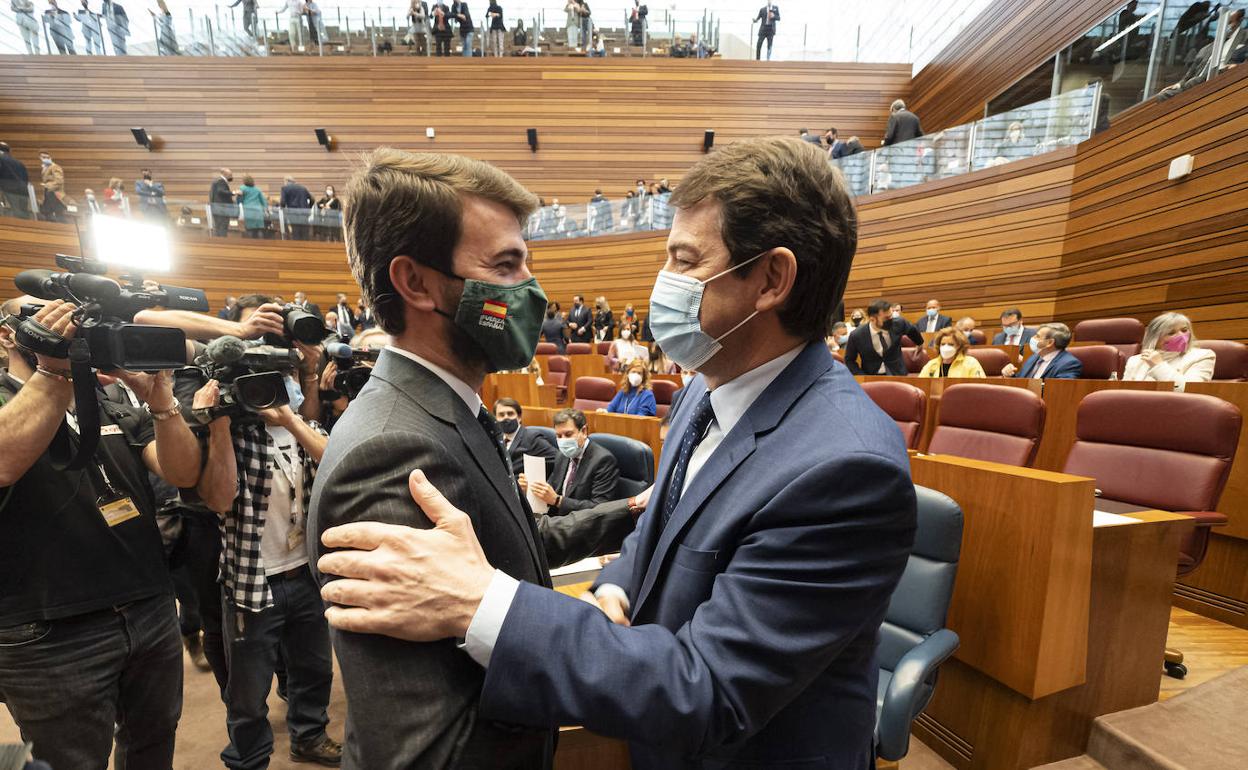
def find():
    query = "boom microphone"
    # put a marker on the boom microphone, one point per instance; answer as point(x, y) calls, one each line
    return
point(226, 350)
point(46, 284)
point(343, 351)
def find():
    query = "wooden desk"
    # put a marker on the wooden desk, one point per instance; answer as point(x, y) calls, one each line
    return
point(521, 387)
point(1060, 621)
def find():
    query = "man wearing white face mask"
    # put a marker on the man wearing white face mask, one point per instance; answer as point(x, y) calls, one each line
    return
point(746, 606)
point(584, 475)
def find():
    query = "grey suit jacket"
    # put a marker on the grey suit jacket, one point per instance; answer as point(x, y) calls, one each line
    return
point(415, 705)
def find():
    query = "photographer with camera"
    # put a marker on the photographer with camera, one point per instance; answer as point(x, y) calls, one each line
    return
point(258, 478)
point(89, 642)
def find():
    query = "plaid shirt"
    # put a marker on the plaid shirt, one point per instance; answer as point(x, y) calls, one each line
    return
point(242, 567)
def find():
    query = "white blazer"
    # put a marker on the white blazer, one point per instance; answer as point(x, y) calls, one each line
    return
point(1193, 365)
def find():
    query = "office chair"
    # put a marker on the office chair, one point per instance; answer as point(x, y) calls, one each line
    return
point(1126, 334)
point(1231, 364)
point(579, 349)
point(559, 367)
point(635, 459)
point(546, 349)
point(1099, 361)
point(913, 639)
point(593, 393)
point(905, 403)
point(1137, 443)
point(998, 423)
point(993, 360)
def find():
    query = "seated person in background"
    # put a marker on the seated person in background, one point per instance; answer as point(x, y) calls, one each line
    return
point(1012, 330)
point(896, 310)
point(661, 364)
point(953, 360)
point(634, 396)
point(1169, 354)
point(966, 325)
point(625, 351)
point(519, 440)
point(1049, 358)
point(584, 475)
point(838, 337)
point(875, 347)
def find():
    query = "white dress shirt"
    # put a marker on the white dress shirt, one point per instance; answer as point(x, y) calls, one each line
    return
point(729, 402)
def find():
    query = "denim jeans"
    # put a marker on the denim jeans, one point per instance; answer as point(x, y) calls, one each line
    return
point(296, 625)
point(195, 582)
point(67, 683)
point(467, 40)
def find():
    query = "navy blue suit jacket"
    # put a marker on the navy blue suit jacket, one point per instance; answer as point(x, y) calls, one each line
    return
point(755, 611)
point(1064, 366)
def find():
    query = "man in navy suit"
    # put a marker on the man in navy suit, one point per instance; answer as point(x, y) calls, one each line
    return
point(934, 321)
point(747, 604)
point(1049, 359)
point(1012, 330)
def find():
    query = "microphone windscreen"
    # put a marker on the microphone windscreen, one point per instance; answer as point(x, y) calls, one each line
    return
point(338, 349)
point(96, 287)
point(35, 283)
point(226, 350)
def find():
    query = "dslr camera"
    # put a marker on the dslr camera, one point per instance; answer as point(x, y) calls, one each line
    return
point(352, 375)
point(301, 326)
point(251, 377)
point(105, 315)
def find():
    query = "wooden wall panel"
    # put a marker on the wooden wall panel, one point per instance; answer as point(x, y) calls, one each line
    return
point(1138, 244)
point(1006, 41)
point(601, 123)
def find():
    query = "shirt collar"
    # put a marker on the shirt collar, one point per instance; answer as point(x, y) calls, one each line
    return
point(1050, 355)
point(461, 388)
point(733, 399)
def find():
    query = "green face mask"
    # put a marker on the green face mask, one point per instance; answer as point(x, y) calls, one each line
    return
point(504, 320)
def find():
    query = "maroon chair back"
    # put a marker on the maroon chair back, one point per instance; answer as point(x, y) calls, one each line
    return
point(1123, 333)
point(661, 410)
point(593, 393)
point(999, 423)
point(905, 403)
point(602, 348)
point(906, 342)
point(558, 367)
point(915, 358)
point(991, 359)
point(579, 349)
point(1099, 361)
point(663, 391)
point(977, 338)
point(1231, 364)
point(1171, 451)
point(546, 349)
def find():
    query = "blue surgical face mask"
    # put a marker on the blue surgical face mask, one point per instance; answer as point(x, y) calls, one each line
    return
point(674, 307)
point(841, 339)
point(293, 392)
point(1035, 344)
point(1011, 329)
point(569, 447)
point(931, 312)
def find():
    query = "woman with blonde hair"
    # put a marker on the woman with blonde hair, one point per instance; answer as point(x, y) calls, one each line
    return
point(1168, 353)
point(635, 396)
point(115, 198)
point(952, 359)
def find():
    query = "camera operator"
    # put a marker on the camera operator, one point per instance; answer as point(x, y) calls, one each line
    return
point(89, 643)
point(258, 477)
point(333, 401)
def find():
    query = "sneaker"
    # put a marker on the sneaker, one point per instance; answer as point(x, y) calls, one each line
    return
point(194, 644)
point(322, 751)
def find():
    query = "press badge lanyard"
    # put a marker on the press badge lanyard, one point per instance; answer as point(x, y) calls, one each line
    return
point(115, 506)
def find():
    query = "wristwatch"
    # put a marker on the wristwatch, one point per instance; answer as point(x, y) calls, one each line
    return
point(166, 414)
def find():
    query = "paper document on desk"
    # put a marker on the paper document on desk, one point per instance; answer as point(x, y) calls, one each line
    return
point(1103, 519)
point(535, 470)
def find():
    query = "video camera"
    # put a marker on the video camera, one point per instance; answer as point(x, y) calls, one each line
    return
point(251, 377)
point(352, 376)
point(301, 326)
point(105, 314)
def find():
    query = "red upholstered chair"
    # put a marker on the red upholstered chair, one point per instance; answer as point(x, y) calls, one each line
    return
point(906, 342)
point(915, 358)
point(1231, 364)
point(663, 391)
point(559, 367)
point(1176, 459)
point(905, 403)
point(603, 348)
point(977, 338)
point(593, 393)
point(579, 349)
point(1123, 333)
point(992, 359)
point(546, 349)
point(999, 423)
point(1099, 361)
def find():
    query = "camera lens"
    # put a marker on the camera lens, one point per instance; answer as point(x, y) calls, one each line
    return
point(261, 391)
point(303, 326)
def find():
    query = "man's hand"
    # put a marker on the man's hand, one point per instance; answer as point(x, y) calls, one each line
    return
point(56, 317)
point(522, 482)
point(207, 396)
point(544, 492)
point(310, 356)
point(279, 416)
point(415, 584)
point(327, 376)
point(266, 319)
point(155, 390)
point(611, 606)
point(1008, 370)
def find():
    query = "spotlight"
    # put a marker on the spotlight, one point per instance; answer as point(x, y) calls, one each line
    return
point(142, 138)
point(532, 134)
point(324, 139)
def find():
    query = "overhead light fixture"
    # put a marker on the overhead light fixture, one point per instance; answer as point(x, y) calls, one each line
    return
point(324, 139)
point(142, 138)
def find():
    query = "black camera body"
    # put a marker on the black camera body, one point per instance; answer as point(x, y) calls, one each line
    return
point(352, 375)
point(106, 309)
point(251, 378)
point(301, 326)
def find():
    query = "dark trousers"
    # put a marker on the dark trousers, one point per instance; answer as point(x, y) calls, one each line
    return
point(199, 593)
point(70, 683)
point(220, 220)
point(758, 50)
point(443, 45)
point(296, 626)
point(17, 201)
point(52, 209)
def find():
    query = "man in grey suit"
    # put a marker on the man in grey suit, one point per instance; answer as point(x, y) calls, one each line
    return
point(903, 125)
point(459, 303)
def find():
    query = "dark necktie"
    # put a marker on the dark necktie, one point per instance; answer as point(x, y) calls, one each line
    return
point(701, 420)
point(496, 438)
point(570, 478)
